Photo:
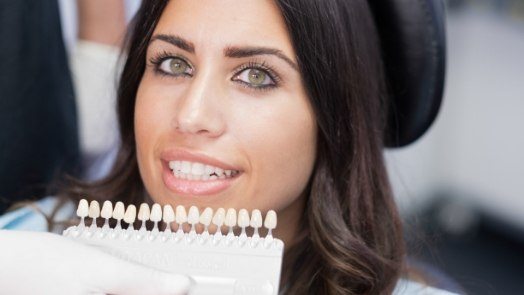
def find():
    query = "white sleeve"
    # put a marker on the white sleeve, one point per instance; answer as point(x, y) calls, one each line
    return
point(95, 70)
point(31, 218)
point(408, 287)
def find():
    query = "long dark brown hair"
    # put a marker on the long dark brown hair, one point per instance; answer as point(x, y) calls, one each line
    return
point(352, 233)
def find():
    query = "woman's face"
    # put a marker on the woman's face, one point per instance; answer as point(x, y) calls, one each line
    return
point(221, 117)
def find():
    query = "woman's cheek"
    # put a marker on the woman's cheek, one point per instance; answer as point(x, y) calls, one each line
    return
point(281, 144)
point(148, 125)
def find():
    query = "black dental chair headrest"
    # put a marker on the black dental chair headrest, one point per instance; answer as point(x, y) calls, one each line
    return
point(412, 36)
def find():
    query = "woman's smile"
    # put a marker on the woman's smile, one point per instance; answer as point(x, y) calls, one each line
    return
point(196, 174)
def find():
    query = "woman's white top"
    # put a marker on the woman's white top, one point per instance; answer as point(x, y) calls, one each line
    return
point(29, 219)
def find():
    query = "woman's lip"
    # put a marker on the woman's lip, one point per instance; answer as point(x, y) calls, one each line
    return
point(184, 155)
point(194, 187)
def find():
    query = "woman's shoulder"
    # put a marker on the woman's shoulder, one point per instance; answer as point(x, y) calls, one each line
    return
point(409, 287)
point(32, 217)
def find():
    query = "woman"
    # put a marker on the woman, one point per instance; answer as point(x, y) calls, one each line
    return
point(289, 97)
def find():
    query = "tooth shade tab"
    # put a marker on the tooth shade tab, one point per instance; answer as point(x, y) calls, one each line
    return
point(107, 210)
point(206, 216)
point(118, 214)
point(156, 216)
point(231, 217)
point(169, 214)
point(119, 211)
point(130, 215)
point(143, 215)
point(219, 217)
point(271, 220)
point(243, 218)
point(83, 209)
point(168, 217)
point(143, 212)
point(270, 223)
point(94, 209)
point(193, 215)
point(156, 213)
point(181, 215)
point(256, 219)
point(243, 222)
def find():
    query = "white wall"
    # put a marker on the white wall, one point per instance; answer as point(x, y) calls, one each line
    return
point(475, 149)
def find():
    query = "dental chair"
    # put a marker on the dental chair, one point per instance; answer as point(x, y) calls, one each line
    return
point(412, 35)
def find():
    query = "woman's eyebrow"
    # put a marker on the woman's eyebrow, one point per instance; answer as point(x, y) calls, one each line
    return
point(231, 51)
point(239, 52)
point(175, 40)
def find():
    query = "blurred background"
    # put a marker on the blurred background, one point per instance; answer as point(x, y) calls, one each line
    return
point(461, 186)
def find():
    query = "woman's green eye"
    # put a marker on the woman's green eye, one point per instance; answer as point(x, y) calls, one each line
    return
point(255, 77)
point(175, 66)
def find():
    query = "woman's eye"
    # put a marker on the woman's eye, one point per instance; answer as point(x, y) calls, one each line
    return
point(255, 77)
point(176, 67)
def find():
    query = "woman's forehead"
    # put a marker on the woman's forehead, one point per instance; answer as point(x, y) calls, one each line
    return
point(217, 24)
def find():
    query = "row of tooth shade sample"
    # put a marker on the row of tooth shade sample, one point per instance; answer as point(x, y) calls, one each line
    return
point(157, 213)
point(219, 263)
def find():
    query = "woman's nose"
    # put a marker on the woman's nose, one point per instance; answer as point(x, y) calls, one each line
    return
point(200, 109)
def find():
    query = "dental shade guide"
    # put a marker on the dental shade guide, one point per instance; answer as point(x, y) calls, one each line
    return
point(230, 264)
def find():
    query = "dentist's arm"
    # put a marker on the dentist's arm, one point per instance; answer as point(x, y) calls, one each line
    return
point(44, 263)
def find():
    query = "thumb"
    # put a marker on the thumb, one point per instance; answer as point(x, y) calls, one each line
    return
point(135, 279)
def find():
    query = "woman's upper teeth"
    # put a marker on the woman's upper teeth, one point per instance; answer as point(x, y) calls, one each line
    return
point(198, 169)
